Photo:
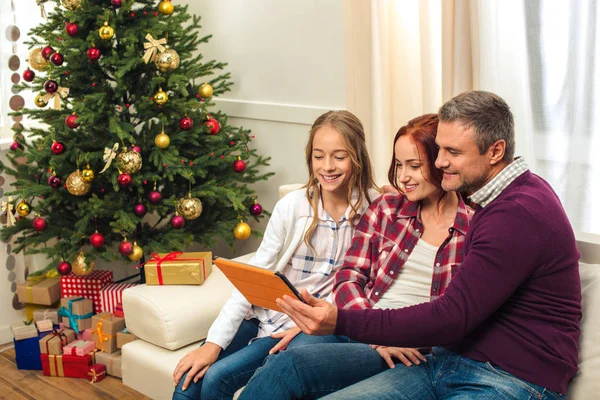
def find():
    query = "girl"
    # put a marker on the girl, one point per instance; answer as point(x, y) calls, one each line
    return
point(405, 249)
point(306, 238)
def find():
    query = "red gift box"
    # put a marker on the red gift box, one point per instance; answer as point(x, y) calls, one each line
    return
point(86, 286)
point(96, 373)
point(65, 365)
point(112, 295)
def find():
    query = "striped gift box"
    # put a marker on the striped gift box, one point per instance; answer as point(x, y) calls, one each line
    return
point(112, 294)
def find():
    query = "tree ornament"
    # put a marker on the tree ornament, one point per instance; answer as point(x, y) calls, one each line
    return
point(213, 125)
point(16, 146)
point(76, 185)
point(136, 253)
point(39, 224)
point(93, 53)
point(57, 59)
point(116, 3)
point(7, 208)
point(47, 52)
point(186, 123)
point(160, 97)
point(255, 209)
point(72, 29)
point(124, 180)
point(28, 75)
point(87, 174)
point(239, 165)
point(189, 207)
point(165, 7)
point(162, 140)
point(154, 196)
point(23, 208)
point(140, 210)
point(177, 222)
point(167, 61)
point(81, 266)
point(153, 47)
point(39, 101)
point(106, 32)
point(129, 161)
point(64, 268)
point(242, 231)
point(72, 4)
point(97, 240)
point(36, 60)
point(137, 149)
point(58, 148)
point(205, 90)
point(54, 181)
point(50, 86)
point(125, 248)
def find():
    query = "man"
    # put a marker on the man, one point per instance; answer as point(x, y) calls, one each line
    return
point(509, 320)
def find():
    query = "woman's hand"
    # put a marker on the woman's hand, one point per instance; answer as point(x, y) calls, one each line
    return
point(197, 363)
point(406, 355)
point(286, 338)
point(316, 317)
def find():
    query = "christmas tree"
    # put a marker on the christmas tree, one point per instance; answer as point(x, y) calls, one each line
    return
point(131, 151)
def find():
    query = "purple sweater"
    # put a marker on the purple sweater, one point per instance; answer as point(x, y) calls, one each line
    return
point(516, 300)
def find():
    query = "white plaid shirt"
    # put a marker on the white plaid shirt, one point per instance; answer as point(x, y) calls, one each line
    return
point(493, 188)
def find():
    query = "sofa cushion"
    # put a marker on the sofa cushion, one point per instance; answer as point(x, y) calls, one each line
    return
point(587, 380)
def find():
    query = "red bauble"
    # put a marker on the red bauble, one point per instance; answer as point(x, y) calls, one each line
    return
point(214, 126)
point(125, 180)
point(16, 146)
point(72, 29)
point(47, 52)
point(116, 3)
point(64, 268)
point(137, 149)
point(58, 148)
point(177, 222)
point(39, 224)
point(155, 197)
point(97, 240)
point(54, 182)
point(28, 75)
point(93, 53)
point(125, 248)
point(239, 166)
point(256, 209)
point(140, 210)
point(71, 121)
point(186, 123)
point(50, 86)
point(57, 59)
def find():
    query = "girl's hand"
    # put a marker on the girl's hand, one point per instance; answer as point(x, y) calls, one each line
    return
point(406, 355)
point(287, 337)
point(197, 363)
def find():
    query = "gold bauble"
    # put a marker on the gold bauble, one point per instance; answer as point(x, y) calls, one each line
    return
point(160, 97)
point(167, 61)
point(39, 101)
point(87, 174)
point(72, 4)
point(23, 208)
point(106, 31)
point(36, 60)
point(81, 266)
point(189, 207)
point(165, 7)
point(205, 90)
point(76, 185)
point(129, 162)
point(162, 140)
point(242, 231)
point(137, 253)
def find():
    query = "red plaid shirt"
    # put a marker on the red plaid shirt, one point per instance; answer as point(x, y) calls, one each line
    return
point(384, 238)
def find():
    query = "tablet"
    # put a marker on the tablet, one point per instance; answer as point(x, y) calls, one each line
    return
point(260, 286)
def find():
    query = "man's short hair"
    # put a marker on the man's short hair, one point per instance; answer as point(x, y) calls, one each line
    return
point(488, 114)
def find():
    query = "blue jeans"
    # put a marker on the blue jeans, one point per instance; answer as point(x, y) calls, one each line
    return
point(237, 363)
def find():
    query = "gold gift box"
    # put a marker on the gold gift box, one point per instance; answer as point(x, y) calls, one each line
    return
point(45, 292)
point(178, 268)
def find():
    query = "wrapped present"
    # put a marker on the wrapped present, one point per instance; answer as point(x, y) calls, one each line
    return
point(44, 291)
point(104, 331)
point(23, 330)
point(65, 365)
point(53, 342)
point(124, 337)
point(30, 309)
point(44, 325)
point(86, 286)
point(118, 312)
point(86, 334)
point(96, 373)
point(112, 294)
point(46, 313)
point(76, 312)
point(27, 353)
point(178, 268)
point(112, 361)
point(79, 347)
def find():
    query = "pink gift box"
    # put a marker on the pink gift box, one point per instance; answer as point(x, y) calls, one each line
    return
point(86, 286)
point(79, 347)
point(44, 325)
point(85, 334)
point(112, 295)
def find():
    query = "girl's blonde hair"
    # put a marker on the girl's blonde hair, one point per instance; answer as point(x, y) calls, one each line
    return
point(353, 134)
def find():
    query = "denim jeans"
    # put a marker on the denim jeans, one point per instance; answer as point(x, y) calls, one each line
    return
point(238, 362)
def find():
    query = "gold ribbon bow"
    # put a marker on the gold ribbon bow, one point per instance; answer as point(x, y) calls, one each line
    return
point(41, 4)
point(60, 92)
point(102, 337)
point(152, 47)
point(7, 208)
point(109, 155)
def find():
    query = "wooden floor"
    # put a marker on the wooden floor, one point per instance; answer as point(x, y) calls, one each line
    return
point(18, 384)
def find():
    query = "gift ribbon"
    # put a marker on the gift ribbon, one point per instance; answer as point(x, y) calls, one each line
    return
point(31, 282)
point(7, 208)
point(73, 318)
point(102, 337)
point(57, 370)
point(109, 155)
point(42, 9)
point(60, 92)
point(152, 47)
point(77, 345)
point(95, 375)
point(59, 334)
point(92, 355)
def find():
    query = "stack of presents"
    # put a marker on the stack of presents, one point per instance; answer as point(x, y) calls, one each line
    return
point(74, 326)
